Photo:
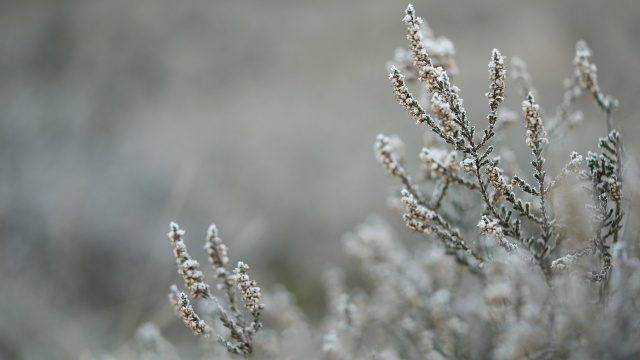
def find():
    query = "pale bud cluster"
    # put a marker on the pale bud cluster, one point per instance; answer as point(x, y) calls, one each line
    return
point(188, 268)
point(533, 122)
point(389, 154)
point(468, 165)
point(406, 99)
point(576, 162)
point(440, 50)
point(417, 217)
point(499, 182)
point(615, 189)
point(427, 73)
point(497, 73)
point(414, 35)
point(491, 227)
point(183, 308)
point(586, 72)
point(217, 253)
point(250, 292)
point(442, 111)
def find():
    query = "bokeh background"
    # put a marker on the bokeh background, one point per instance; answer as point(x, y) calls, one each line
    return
point(119, 116)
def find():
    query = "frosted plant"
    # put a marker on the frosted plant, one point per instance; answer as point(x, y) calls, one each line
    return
point(500, 198)
point(503, 271)
point(520, 216)
point(188, 268)
point(240, 331)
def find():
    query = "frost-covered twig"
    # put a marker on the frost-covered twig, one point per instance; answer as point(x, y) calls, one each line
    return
point(454, 128)
point(240, 330)
point(183, 308)
point(187, 267)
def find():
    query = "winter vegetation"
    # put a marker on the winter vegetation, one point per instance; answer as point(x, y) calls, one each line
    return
point(518, 260)
point(503, 226)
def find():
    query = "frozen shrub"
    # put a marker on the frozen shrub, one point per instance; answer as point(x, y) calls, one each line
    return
point(502, 273)
point(536, 287)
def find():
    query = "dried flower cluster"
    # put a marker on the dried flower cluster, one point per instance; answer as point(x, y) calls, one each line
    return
point(498, 73)
point(522, 303)
point(491, 227)
point(239, 330)
point(505, 271)
point(249, 290)
point(188, 268)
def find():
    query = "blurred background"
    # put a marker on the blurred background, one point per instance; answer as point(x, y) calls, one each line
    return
point(117, 117)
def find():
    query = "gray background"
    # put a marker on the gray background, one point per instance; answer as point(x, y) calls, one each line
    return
point(119, 116)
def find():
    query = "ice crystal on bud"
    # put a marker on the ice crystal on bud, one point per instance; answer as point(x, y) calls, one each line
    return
point(417, 217)
point(499, 182)
point(586, 71)
point(427, 72)
point(442, 111)
point(491, 227)
point(421, 59)
point(468, 165)
point(240, 330)
point(217, 252)
point(406, 99)
point(488, 226)
point(615, 189)
point(184, 309)
point(576, 162)
point(533, 122)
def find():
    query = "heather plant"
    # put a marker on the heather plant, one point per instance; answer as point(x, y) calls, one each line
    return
point(467, 163)
point(506, 270)
point(241, 331)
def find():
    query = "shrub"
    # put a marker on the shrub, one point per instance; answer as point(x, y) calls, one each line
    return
point(508, 269)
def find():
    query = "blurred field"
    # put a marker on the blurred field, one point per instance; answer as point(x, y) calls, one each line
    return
point(117, 117)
